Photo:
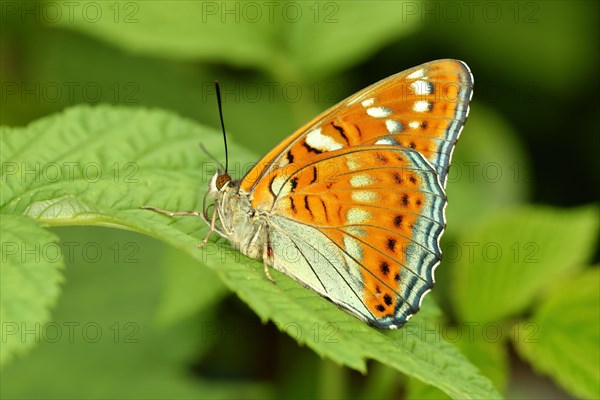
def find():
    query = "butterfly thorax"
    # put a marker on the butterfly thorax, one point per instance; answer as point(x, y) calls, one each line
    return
point(240, 223)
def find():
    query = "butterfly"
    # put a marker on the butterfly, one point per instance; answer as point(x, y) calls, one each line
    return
point(352, 205)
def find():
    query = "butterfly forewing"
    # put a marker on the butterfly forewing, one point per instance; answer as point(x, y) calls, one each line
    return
point(423, 108)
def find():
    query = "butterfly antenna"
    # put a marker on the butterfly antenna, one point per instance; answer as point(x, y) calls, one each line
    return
point(211, 156)
point(218, 90)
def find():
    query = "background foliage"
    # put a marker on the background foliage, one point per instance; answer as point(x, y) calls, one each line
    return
point(91, 312)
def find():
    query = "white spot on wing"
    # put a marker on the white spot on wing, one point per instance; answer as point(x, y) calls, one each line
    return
point(317, 140)
point(353, 248)
point(386, 140)
point(356, 231)
point(368, 102)
point(422, 87)
point(357, 216)
point(352, 164)
point(363, 195)
point(361, 180)
point(414, 124)
point(421, 106)
point(277, 185)
point(379, 112)
point(417, 74)
point(393, 126)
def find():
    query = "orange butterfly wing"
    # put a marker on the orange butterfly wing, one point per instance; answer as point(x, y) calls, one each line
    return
point(367, 177)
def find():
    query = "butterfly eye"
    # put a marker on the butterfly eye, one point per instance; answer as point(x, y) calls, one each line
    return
point(222, 180)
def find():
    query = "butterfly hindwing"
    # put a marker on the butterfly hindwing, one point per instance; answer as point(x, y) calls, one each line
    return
point(361, 226)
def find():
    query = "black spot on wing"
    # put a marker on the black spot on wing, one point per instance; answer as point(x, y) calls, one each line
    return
point(387, 299)
point(391, 244)
point(381, 158)
point(311, 149)
point(324, 210)
point(405, 200)
point(385, 268)
point(307, 206)
point(294, 183)
point(271, 186)
point(398, 221)
point(314, 178)
point(341, 132)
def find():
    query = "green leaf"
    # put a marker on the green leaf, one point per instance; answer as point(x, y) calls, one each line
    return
point(188, 289)
point(292, 40)
point(483, 345)
point(381, 383)
point(510, 259)
point(489, 170)
point(169, 172)
point(487, 351)
point(566, 339)
point(416, 389)
point(103, 342)
point(30, 277)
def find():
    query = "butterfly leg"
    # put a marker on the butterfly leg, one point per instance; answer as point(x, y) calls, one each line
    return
point(173, 213)
point(187, 213)
point(211, 229)
point(265, 259)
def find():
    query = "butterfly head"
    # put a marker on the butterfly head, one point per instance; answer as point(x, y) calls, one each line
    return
point(218, 182)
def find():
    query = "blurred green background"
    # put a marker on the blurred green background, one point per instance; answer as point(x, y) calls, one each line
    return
point(527, 164)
